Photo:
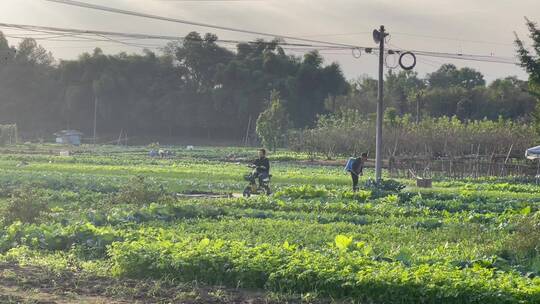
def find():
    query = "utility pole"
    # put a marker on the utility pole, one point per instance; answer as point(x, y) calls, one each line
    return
point(417, 108)
point(379, 36)
point(95, 117)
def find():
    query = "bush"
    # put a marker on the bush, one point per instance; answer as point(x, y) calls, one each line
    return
point(25, 206)
point(303, 192)
point(432, 136)
point(391, 185)
point(383, 188)
point(273, 123)
point(139, 190)
point(524, 244)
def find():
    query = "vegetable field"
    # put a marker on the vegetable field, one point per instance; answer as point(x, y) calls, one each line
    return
point(114, 215)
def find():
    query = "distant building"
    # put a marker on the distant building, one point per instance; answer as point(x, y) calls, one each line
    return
point(68, 137)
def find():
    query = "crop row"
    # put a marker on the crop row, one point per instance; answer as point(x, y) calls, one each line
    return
point(345, 271)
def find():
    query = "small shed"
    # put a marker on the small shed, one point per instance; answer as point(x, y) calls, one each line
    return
point(68, 137)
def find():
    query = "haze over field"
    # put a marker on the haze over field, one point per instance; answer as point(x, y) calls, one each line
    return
point(241, 151)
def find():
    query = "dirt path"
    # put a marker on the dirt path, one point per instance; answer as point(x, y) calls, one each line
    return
point(36, 285)
point(15, 295)
point(39, 286)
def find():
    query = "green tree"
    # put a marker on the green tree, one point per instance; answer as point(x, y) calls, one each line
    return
point(311, 85)
point(530, 60)
point(30, 52)
point(448, 75)
point(361, 97)
point(6, 52)
point(273, 123)
point(400, 88)
point(508, 97)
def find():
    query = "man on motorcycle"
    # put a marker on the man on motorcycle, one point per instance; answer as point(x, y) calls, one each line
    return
point(261, 172)
point(262, 165)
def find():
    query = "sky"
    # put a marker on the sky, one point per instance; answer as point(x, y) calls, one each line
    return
point(483, 27)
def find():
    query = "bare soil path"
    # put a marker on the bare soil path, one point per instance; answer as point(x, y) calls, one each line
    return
point(38, 286)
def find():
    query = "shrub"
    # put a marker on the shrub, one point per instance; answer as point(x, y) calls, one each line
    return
point(25, 206)
point(139, 190)
point(432, 136)
point(385, 185)
point(383, 188)
point(303, 192)
point(524, 244)
point(273, 123)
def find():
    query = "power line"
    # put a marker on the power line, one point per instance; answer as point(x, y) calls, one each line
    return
point(150, 16)
point(138, 36)
point(103, 36)
point(414, 35)
point(458, 56)
point(336, 35)
point(175, 20)
point(126, 43)
point(465, 57)
point(450, 54)
point(453, 39)
point(210, 1)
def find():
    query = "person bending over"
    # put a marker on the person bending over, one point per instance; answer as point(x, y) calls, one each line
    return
point(357, 170)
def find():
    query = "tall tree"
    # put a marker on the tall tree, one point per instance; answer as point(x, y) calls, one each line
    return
point(311, 85)
point(530, 60)
point(273, 123)
point(508, 97)
point(448, 75)
point(400, 89)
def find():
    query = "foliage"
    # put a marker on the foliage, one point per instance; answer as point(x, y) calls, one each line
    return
point(335, 274)
point(450, 76)
point(273, 123)
point(349, 133)
point(524, 243)
point(343, 242)
point(198, 89)
point(530, 60)
point(462, 241)
point(8, 134)
point(447, 92)
point(390, 185)
point(25, 206)
point(306, 191)
point(139, 190)
point(194, 88)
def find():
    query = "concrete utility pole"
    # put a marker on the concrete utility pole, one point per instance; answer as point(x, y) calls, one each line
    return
point(381, 34)
point(95, 117)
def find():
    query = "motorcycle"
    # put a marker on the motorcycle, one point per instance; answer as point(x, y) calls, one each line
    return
point(263, 187)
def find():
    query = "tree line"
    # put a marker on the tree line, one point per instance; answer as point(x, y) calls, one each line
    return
point(449, 91)
point(196, 88)
point(450, 112)
point(193, 88)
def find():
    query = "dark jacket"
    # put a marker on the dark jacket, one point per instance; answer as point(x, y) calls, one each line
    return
point(262, 162)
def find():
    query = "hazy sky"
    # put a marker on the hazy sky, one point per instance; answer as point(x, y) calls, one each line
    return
point(457, 26)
